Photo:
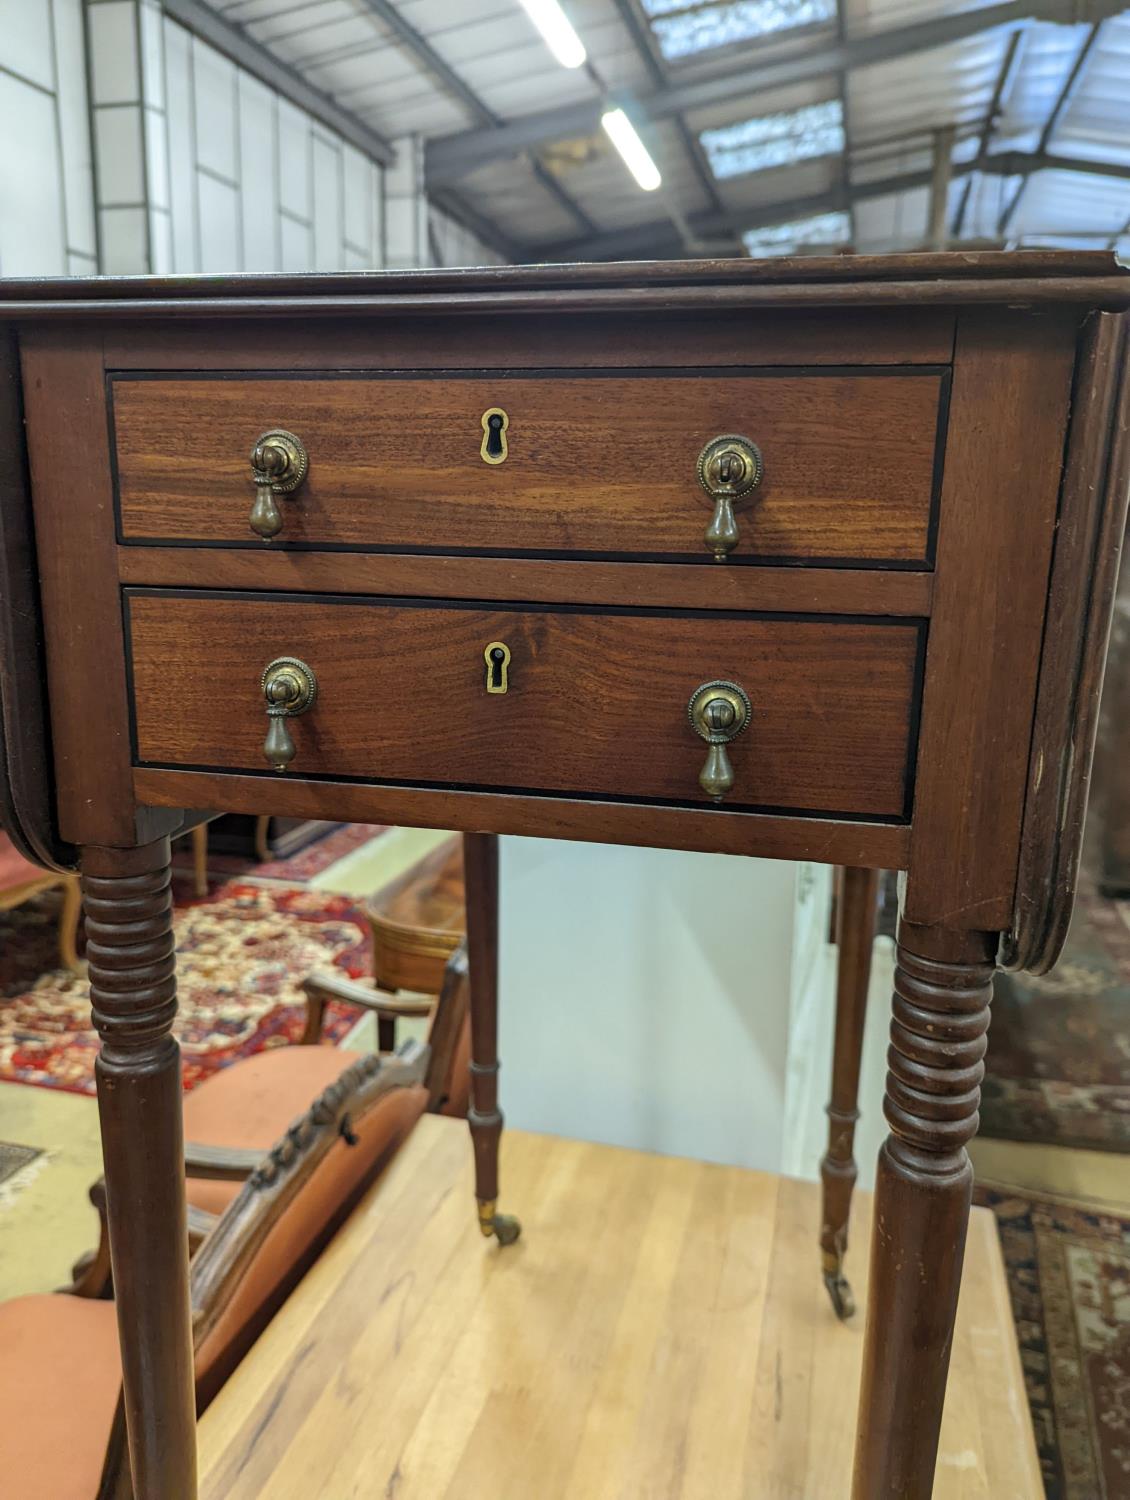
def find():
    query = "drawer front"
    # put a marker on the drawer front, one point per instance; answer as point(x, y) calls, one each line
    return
point(597, 465)
point(595, 702)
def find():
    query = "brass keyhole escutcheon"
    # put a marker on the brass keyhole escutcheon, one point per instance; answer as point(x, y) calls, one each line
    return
point(728, 469)
point(494, 448)
point(719, 711)
point(289, 688)
point(279, 464)
point(497, 658)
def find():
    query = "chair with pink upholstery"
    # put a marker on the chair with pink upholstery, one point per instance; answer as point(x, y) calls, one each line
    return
point(258, 1218)
point(20, 880)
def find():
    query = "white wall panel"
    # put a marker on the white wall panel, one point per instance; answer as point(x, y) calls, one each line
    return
point(33, 238)
point(121, 162)
point(297, 244)
point(258, 162)
point(294, 160)
point(25, 41)
point(182, 163)
point(219, 225)
point(112, 27)
point(328, 222)
point(358, 205)
point(74, 127)
point(217, 147)
point(125, 240)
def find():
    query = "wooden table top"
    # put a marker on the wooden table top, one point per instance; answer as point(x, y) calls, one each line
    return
point(660, 1328)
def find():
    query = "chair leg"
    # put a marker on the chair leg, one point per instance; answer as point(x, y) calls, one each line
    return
point(480, 862)
point(857, 898)
point(133, 1002)
point(262, 847)
point(68, 924)
point(940, 1013)
point(200, 860)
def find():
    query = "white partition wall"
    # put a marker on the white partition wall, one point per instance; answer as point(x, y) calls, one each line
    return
point(46, 184)
point(176, 159)
point(645, 997)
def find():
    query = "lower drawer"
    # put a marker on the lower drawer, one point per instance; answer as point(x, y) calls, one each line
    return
point(595, 701)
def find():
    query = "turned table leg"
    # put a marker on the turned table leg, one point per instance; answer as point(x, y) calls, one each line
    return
point(940, 1014)
point(480, 870)
point(133, 996)
point(856, 904)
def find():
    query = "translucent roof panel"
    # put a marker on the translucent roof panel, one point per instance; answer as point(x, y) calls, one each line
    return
point(685, 29)
point(1043, 65)
point(786, 239)
point(1095, 121)
point(775, 140)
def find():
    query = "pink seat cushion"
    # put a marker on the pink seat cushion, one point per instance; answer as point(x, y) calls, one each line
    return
point(14, 868)
point(59, 1379)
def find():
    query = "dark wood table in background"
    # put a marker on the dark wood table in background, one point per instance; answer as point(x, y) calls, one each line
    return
point(483, 516)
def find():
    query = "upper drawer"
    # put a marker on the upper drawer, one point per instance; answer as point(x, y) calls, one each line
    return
point(597, 465)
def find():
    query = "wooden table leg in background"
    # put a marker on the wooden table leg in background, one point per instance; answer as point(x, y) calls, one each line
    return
point(133, 995)
point(856, 904)
point(940, 1014)
point(480, 865)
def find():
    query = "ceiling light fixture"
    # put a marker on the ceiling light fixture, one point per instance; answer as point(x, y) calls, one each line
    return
point(557, 31)
point(622, 133)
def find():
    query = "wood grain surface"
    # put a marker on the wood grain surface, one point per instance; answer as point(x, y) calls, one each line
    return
point(698, 585)
point(1011, 392)
point(597, 701)
point(659, 1329)
point(600, 464)
point(542, 341)
point(648, 824)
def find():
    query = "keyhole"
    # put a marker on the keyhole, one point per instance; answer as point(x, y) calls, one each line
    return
point(497, 658)
point(494, 425)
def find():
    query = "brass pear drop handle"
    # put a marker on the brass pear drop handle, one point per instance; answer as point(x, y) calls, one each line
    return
point(719, 711)
point(728, 469)
point(290, 688)
point(279, 464)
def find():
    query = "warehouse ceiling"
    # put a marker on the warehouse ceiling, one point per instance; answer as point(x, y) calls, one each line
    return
point(778, 126)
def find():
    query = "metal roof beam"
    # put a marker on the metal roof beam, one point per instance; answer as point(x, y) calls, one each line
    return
point(448, 79)
point(655, 238)
point(1065, 94)
point(647, 49)
point(254, 58)
point(450, 158)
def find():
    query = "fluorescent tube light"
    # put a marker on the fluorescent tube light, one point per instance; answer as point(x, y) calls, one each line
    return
point(622, 133)
point(557, 31)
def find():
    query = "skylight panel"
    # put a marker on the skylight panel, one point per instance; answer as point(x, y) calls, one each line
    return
point(783, 239)
point(775, 140)
point(684, 29)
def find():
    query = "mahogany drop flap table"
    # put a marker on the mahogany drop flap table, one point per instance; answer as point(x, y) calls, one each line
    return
point(801, 559)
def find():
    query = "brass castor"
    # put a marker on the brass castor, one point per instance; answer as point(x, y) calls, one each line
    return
point(504, 1227)
point(839, 1290)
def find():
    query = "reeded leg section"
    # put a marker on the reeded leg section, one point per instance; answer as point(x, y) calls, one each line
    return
point(133, 996)
point(856, 904)
point(480, 868)
point(943, 984)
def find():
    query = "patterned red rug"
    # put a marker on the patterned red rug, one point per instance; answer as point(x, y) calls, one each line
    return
point(1069, 1282)
point(243, 951)
point(1058, 1067)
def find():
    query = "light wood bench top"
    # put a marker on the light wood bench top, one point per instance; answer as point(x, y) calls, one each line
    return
point(659, 1330)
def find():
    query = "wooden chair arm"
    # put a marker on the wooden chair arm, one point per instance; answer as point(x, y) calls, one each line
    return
point(200, 1225)
point(228, 1163)
point(362, 992)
